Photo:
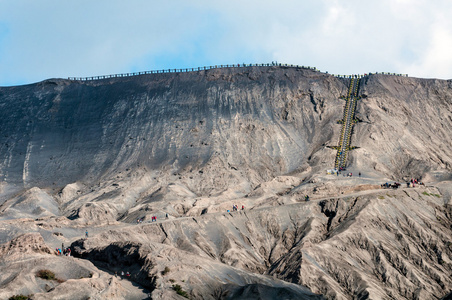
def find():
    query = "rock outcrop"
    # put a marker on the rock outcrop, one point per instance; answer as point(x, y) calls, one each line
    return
point(27, 254)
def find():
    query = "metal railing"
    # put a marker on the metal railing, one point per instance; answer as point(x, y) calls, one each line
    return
point(364, 75)
point(185, 70)
point(188, 70)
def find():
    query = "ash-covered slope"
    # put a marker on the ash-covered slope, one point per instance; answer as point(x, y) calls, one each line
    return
point(100, 155)
point(248, 124)
point(407, 127)
point(219, 128)
point(385, 245)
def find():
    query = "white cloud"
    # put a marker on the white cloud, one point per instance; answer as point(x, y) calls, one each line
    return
point(436, 60)
point(50, 38)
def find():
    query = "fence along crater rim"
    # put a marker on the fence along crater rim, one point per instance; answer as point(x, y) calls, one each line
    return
point(185, 70)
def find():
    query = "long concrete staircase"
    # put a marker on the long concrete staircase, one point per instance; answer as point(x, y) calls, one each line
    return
point(348, 121)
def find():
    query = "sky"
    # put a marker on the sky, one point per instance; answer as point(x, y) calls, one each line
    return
point(41, 39)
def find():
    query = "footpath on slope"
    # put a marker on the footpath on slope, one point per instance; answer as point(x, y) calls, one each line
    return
point(259, 208)
point(350, 188)
point(104, 229)
point(73, 234)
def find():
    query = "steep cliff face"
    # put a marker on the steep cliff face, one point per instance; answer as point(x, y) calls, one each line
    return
point(407, 127)
point(248, 124)
point(219, 127)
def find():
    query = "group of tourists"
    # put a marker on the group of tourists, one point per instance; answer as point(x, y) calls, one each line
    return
point(63, 251)
point(388, 185)
point(126, 275)
point(153, 219)
point(340, 171)
point(350, 174)
point(235, 207)
point(413, 182)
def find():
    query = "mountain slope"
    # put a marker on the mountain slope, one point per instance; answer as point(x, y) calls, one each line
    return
point(261, 121)
point(105, 156)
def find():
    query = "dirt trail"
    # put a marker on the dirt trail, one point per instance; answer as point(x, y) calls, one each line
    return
point(260, 208)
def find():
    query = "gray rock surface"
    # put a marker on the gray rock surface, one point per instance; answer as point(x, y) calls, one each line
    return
point(232, 125)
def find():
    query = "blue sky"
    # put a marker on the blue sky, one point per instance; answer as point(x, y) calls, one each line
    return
point(42, 39)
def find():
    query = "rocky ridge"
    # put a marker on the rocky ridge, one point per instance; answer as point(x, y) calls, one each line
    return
point(321, 244)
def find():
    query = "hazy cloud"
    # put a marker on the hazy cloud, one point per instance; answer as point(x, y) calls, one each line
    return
point(43, 39)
